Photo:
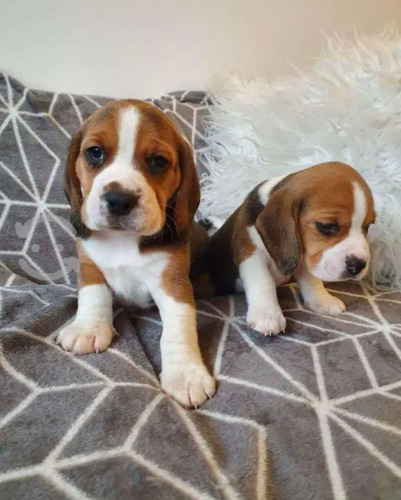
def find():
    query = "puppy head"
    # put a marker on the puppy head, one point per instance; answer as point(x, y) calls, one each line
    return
point(130, 169)
point(319, 216)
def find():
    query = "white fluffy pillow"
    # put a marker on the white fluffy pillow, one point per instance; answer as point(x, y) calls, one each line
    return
point(347, 108)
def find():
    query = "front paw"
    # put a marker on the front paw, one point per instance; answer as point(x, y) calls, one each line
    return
point(190, 385)
point(81, 337)
point(266, 321)
point(326, 304)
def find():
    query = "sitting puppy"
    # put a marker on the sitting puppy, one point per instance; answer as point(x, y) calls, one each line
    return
point(133, 189)
point(311, 225)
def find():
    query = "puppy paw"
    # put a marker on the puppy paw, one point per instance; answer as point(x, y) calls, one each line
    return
point(327, 304)
point(266, 321)
point(82, 338)
point(190, 385)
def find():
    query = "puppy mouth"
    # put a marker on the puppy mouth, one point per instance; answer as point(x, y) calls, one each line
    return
point(357, 278)
point(141, 221)
point(329, 276)
point(347, 276)
point(131, 226)
point(117, 227)
point(120, 224)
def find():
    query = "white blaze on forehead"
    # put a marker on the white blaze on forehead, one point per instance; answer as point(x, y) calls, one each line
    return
point(128, 122)
point(360, 208)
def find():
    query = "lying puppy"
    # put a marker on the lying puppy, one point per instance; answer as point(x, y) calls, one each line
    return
point(311, 225)
point(133, 189)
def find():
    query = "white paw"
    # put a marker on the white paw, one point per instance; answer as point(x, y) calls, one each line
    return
point(266, 321)
point(327, 304)
point(190, 385)
point(80, 337)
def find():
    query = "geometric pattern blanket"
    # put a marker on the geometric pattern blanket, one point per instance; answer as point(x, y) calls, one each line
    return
point(315, 413)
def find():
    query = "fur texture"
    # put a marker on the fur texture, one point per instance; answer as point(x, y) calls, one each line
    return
point(347, 107)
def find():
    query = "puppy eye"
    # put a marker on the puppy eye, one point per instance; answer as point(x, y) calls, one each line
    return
point(327, 228)
point(157, 164)
point(95, 156)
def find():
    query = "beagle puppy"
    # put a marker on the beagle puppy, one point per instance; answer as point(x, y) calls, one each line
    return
point(311, 225)
point(133, 189)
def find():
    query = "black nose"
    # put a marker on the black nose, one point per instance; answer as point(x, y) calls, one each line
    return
point(119, 202)
point(354, 265)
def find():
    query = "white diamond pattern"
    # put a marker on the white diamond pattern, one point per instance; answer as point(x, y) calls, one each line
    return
point(322, 402)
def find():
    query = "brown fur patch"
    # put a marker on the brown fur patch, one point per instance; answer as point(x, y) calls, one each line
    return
point(155, 135)
point(103, 133)
point(242, 244)
point(115, 186)
point(89, 273)
point(278, 226)
point(175, 278)
point(72, 185)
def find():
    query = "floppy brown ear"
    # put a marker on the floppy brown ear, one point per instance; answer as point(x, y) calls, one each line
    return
point(72, 185)
point(188, 194)
point(278, 226)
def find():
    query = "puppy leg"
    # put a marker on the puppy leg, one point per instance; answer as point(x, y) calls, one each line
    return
point(315, 296)
point(92, 329)
point(184, 376)
point(264, 312)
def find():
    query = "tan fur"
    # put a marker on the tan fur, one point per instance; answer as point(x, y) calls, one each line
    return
point(241, 242)
point(72, 184)
point(89, 273)
point(159, 137)
point(175, 278)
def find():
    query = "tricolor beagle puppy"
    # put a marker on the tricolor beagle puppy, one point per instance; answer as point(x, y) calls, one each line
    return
point(133, 189)
point(311, 225)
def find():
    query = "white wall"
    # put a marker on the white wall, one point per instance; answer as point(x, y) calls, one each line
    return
point(142, 48)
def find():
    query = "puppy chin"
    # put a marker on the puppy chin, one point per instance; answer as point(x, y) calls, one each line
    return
point(326, 274)
point(328, 271)
point(140, 228)
point(323, 275)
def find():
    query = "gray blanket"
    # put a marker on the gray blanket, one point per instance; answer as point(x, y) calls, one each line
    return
point(313, 414)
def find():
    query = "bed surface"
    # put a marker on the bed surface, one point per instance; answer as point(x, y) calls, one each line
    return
point(312, 414)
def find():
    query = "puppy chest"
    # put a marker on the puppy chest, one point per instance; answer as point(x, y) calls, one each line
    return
point(131, 274)
point(129, 286)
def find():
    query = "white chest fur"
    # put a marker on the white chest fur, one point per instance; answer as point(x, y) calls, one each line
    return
point(131, 274)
